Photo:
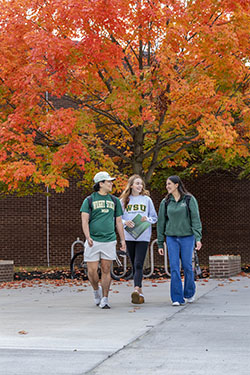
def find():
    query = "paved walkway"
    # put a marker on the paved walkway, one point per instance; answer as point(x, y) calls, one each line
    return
point(50, 330)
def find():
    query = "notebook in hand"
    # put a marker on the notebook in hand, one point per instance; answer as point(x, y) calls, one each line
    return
point(139, 227)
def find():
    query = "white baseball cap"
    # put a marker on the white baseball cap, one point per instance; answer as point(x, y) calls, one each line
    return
point(102, 176)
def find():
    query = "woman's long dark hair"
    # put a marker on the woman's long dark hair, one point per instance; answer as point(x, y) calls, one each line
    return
point(181, 188)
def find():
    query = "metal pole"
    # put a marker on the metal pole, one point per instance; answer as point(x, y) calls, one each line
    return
point(47, 203)
point(47, 223)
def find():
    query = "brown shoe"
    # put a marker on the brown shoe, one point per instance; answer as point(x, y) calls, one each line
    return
point(135, 297)
point(141, 298)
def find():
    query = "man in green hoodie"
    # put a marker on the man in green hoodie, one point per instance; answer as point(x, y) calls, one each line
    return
point(179, 222)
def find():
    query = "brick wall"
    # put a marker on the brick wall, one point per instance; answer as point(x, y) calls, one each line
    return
point(224, 266)
point(224, 206)
point(23, 227)
point(225, 212)
point(6, 270)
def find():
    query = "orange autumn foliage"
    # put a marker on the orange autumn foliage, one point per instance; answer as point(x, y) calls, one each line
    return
point(144, 81)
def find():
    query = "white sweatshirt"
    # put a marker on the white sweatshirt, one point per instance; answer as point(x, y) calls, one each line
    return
point(143, 205)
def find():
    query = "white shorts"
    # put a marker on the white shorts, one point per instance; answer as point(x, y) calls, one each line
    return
point(99, 250)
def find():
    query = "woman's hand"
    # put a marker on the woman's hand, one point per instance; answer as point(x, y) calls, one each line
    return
point(198, 245)
point(161, 251)
point(144, 218)
point(123, 246)
point(130, 224)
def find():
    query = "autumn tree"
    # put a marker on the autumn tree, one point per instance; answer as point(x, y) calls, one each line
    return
point(145, 81)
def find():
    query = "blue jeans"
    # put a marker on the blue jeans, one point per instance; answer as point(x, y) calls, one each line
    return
point(181, 248)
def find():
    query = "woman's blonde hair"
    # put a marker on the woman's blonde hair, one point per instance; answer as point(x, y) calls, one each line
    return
point(127, 191)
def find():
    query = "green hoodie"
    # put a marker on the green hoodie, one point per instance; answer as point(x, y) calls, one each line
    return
point(179, 223)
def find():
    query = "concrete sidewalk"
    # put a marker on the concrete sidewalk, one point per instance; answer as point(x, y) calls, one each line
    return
point(49, 329)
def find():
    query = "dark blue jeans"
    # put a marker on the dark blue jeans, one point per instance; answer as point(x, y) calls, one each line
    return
point(137, 251)
point(181, 248)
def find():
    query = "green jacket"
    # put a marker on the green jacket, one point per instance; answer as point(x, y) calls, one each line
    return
point(179, 222)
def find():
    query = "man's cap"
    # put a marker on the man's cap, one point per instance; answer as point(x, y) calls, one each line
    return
point(102, 176)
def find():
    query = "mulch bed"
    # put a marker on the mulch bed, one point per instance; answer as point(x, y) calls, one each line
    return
point(51, 274)
point(60, 274)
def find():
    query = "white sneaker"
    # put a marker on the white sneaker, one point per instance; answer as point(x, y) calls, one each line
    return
point(98, 295)
point(191, 299)
point(104, 304)
point(176, 303)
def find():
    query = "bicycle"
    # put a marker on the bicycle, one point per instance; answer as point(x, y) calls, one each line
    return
point(79, 270)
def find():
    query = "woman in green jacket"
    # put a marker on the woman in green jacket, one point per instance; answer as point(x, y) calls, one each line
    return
point(179, 222)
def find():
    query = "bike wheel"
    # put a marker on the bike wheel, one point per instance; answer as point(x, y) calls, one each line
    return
point(117, 274)
point(78, 268)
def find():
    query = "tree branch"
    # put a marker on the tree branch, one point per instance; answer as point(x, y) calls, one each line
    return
point(125, 57)
point(108, 115)
point(176, 152)
point(116, 151)
point(105, 81)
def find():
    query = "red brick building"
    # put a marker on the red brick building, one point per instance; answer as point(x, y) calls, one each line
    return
point(224, 207)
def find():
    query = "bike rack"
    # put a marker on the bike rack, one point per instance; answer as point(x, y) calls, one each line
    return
point(152, 259)
point(119, 263)
point(78, 241)
point(73, 246)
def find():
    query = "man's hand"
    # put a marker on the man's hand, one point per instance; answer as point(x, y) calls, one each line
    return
point(90, 241)
point(123, 246)
point(198, 245)
point(161, 251)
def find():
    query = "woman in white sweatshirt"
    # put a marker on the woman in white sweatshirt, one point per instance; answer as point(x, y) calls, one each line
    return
point(135, 200)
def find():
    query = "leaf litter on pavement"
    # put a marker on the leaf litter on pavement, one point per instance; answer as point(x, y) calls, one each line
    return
point(58, 277)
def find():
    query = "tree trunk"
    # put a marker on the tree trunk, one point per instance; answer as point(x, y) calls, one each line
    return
point(138, 155)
